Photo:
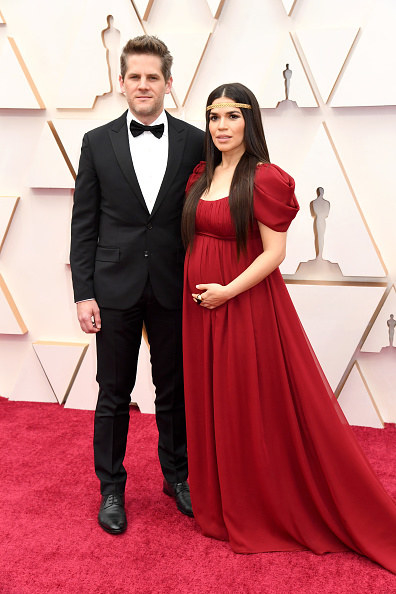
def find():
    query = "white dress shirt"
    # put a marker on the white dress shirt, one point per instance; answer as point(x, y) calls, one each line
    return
point(150, 157)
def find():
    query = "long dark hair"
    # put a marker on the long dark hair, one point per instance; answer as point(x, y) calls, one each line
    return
point(241, 190)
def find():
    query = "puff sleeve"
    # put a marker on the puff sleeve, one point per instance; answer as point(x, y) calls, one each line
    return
point(274, 202)
point(196, 174)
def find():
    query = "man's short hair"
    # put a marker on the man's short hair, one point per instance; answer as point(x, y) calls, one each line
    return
point(147, 44)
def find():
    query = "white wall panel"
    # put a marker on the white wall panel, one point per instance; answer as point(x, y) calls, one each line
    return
point(379, 371)
point(365, 141)
point(334, 318)
point(8, 205)
point(16, 90)
point(242, 48)
point(11, 321)
point(346, 239)
point(84, 391)
point(143, 7)
point(86, 73)
point(60, 362)
point(334, 13)
point(326, 51)
point(289, 5)
point(368, 78)
point(216, 7)
point(32, 384)
point(49, 168)
point(379, 336)
point(357, 403)
point(274, 91)
point(66, 60)
point(71, 133)
point(186, 26)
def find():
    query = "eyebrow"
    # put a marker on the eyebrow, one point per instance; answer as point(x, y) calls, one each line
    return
point(139, 74)
point(213, 112)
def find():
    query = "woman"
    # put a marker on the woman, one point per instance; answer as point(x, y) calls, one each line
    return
point(273, 464)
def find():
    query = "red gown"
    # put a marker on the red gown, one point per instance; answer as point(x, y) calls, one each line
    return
point(273, 463)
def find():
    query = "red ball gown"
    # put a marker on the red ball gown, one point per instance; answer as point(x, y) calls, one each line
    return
point(273, 463)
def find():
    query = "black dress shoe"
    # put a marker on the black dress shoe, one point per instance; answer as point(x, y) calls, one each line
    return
point(181, 493)
point(112, 517)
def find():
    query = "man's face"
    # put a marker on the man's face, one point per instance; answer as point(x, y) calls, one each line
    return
point(145, 87)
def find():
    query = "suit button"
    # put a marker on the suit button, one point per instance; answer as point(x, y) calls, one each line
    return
point(149, 226)
point(146, 254)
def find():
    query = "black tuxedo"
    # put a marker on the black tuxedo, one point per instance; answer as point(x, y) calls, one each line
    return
point(116, 242)
point(131, 262)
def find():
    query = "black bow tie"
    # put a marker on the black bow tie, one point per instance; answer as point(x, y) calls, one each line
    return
point(137, 129)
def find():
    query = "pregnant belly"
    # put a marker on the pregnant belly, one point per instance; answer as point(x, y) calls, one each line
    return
point(215, 261)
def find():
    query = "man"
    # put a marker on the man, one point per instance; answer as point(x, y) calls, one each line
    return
point(127, 268)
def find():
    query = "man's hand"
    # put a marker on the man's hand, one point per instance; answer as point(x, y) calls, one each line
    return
point(88, 314)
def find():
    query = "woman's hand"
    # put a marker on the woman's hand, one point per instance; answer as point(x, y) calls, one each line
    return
point(211, 295)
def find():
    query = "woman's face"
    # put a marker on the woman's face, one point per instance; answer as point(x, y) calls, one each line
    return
point(227, 127)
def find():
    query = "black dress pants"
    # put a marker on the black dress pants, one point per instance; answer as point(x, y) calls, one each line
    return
point(118, 345)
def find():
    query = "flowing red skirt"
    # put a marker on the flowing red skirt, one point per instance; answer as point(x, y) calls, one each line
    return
point(273, 463)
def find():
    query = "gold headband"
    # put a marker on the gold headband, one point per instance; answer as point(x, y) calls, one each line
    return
point(245, 105)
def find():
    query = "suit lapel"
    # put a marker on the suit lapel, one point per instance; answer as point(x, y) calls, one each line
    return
point(119, 139)
point(177, 137)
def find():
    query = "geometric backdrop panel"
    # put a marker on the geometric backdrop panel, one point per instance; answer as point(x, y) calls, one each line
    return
point(49, 168)
point(189, 29)
point(377, 358)
point(17, 89)
point(83, 393)
point(8, 206)
point(11, 321)
point(347, 241)
point(240, 49)
point(326, 51)
point(289, 5)
point(357, 403)
point(86, 74)
point(286, 64)
point(32, 384)
point(383, 330)
point(325, 313)
point(250, 42)
point(216, 7)
point(60, 361)
point(84, 390)
point(71, 132)
point(379, 372)
point(368, 78)
point(143, 7)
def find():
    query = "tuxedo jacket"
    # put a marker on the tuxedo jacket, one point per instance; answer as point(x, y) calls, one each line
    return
point(116, 244)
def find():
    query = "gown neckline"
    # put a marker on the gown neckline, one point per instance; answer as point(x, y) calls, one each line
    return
point(217, 199)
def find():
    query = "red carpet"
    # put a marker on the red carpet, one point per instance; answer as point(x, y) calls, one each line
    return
point(50, 540)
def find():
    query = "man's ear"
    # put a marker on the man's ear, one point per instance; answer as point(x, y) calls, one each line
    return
point(168, 85)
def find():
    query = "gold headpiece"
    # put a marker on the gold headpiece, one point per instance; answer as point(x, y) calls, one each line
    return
point(245, 105)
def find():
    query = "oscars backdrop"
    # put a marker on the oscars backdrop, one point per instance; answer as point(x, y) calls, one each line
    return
point(325, 76)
